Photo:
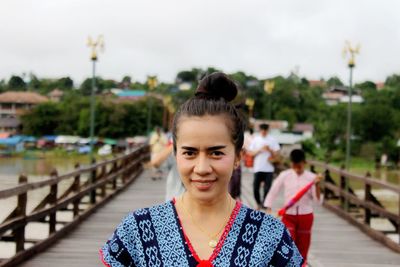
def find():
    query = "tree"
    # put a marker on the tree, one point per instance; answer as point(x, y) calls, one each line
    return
point(393, 81)
point(16, 83)
point(86, 86)
point(334, 81)
point(3, 85)
point(34, 83)
point(64, 83)
point(366, 86)
point(41, 120)
point(376, 122)
point(126, 82)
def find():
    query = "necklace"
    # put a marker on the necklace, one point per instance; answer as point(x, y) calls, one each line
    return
point(213, 238)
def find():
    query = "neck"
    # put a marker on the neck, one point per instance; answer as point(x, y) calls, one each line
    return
point(219, 206)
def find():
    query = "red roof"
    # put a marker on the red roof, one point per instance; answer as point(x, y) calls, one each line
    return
point(22, 97)
point(4, 135)
point(303, 127)
point(317, 83)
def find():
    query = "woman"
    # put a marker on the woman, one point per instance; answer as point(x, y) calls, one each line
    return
point(204, 226)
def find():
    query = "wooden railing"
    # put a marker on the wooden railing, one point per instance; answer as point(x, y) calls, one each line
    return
point(342, 199)
point(88, 188)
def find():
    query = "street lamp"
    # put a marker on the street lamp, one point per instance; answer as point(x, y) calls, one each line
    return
point(269, 86)
point(250, 103)
point(151, 83)
point(99, 43)
point(350, 52)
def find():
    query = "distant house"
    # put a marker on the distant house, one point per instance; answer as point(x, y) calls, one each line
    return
point(11, 145)
point(306, 129)
point(317, 83)
point(124, 94)
point(379, 85)
point(56, 95)
point(273, 125)
point(13, 105)
point(339, 94)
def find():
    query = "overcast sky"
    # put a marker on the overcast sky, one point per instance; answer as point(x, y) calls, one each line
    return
point(161, 37)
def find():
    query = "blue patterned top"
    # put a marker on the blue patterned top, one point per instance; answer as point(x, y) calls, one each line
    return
point(154, 237)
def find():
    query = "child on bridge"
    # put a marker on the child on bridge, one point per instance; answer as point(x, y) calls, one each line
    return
point(298, 215)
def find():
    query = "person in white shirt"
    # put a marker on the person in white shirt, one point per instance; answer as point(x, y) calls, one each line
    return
point(299, 217)
point(263, 148)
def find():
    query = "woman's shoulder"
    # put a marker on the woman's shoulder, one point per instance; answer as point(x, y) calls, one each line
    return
point(266, 220)
point(271, 243)
point(147, 213)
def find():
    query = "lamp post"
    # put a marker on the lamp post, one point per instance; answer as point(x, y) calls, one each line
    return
point(151, 83)
point(93, 57)
point(250, 103)
point(269, 86)
point(351, 52)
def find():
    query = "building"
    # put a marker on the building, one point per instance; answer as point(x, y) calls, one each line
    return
point(13, 105)
point(339, 94)
point(306, 129)
point(317, 83)
point(56, 95)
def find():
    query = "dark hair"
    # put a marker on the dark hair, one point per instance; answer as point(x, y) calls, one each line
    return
point(212, 97)
point(264, 126)
point(297, 156)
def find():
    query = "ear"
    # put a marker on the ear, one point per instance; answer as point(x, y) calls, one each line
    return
point(237, 160)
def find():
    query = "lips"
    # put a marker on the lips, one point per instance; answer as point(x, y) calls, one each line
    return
point(203, 185)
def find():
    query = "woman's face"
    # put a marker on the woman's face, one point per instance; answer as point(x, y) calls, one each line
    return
point(205, 156)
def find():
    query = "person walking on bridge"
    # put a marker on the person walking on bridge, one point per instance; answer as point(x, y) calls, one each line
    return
point(264, 148)
point(204, 226)
point(298, 216)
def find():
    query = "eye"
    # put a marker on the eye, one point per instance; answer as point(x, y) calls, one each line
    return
point(217, 153)
point(188, 153)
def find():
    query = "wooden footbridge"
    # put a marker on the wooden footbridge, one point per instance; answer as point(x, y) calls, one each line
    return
point(342, 234)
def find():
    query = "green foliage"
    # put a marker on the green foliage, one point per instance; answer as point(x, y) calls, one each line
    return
point(376, 121)
point(42, 120)
point(366, 86)
point(334, 81)
point(309, 146)
point(3, 86)
point(86, 86)
point(16, 83)
point(393, 81)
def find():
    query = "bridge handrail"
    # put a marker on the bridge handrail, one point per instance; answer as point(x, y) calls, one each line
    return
point(368, 180)
point(370, 205)
point(100, 187)
point(23, 188)
point(34, 216)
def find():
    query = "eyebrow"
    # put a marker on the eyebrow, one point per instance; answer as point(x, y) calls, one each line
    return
point(213, 148)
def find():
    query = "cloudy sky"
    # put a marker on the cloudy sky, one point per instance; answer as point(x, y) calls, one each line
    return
point(161, 37)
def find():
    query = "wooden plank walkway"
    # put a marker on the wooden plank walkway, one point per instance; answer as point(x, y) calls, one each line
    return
point(335, 242)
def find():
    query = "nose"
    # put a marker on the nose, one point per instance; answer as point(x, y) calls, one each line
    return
point(202, 166)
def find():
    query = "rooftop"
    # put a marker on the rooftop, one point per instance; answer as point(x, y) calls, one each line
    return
point(22, 97)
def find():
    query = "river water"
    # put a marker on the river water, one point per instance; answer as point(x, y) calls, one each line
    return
point(36, 170)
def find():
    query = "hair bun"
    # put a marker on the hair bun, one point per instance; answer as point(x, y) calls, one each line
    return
point(217, 85)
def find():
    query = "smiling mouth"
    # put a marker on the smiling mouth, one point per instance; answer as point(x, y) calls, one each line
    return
point(203, 185)
point(203, 181)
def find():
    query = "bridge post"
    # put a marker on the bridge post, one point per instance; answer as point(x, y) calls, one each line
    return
point(114, 169)
point(343, 198)
point(53, 201)
point(19, 232)
point(92, 181)
point(398, 220)
point(367, 198)
point(103, 176)
point(76, 188)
